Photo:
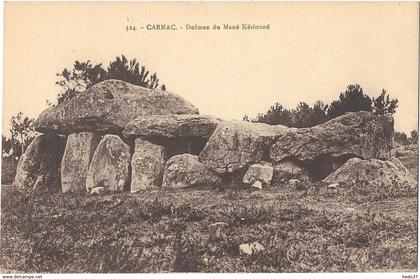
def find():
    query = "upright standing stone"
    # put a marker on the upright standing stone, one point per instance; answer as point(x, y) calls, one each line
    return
point(39, 167)
point(238, 144)
point(76, 160)
point(146, 165)
point(110, 165)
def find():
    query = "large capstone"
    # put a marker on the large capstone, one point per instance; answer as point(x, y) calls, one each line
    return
point(238, 144)
point(358, 134)
point(186, 171)
point(108, 106)
point(172, 126)
point(390, 174)
point(38, 169)
point(110, 165)
point(184, 133)
point(146, 165)
point(76, 160)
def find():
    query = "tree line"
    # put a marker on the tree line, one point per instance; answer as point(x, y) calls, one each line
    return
point(303, 115)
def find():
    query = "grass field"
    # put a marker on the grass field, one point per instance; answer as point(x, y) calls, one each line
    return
point(310, 229)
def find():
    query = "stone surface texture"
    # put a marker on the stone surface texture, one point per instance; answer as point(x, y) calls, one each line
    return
point(108, 106)
point(76, 160)
point(146, 165)
point(110, 165)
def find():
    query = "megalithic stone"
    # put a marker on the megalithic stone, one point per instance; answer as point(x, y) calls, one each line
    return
point(146, 165)
point(76, 160)
point(38, 169)
point(110, 165)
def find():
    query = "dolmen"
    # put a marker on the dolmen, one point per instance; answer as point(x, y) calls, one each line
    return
point(117, 137)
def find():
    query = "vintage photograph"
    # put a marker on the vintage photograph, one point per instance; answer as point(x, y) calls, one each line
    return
point(209, 137)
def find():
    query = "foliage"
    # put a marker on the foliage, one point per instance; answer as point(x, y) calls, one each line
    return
point(382, 105)
point(22, 132)
point(130, 71)
point(306, 116)
point(414, 136)
point(301, 116)
point(82, 76)
point(85, 74)
point(328, 230)
point(401, 138)
point(8, 170)
point(276, 115)
point(351, 100)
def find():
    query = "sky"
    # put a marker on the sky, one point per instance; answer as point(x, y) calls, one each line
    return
point(311, 51)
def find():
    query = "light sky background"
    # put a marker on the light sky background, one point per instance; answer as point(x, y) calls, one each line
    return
point(312, 51)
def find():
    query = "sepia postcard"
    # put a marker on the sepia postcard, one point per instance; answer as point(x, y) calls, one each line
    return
point(210, 137)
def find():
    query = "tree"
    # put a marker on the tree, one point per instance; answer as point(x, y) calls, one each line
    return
point(401, 138)
point(81, 77)
point(276, 115)
point(84, 75)
point(305, 116)
point(414, 137)
point(351, 100)
point(129, 71)
point(319, 113)
point(246, 118)
point(301, 115)
point(22, 132)
point(382, 105)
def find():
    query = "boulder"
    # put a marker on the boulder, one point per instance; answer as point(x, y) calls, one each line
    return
point(261, 173)
point(408, 155)
point(108, 106)
point(238, 144)
point(354, 134)
point(374, 172)
point(39, 167)
point(76, 160)
point(186, 171)
point(172, 126)
point(404, 150)
point(146, 165)
point(288, 169)
point(110, 165)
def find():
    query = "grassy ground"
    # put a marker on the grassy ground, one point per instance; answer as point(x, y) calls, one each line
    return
point(310, 229)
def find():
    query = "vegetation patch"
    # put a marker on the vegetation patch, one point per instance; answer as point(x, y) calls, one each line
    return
point(301, 231)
